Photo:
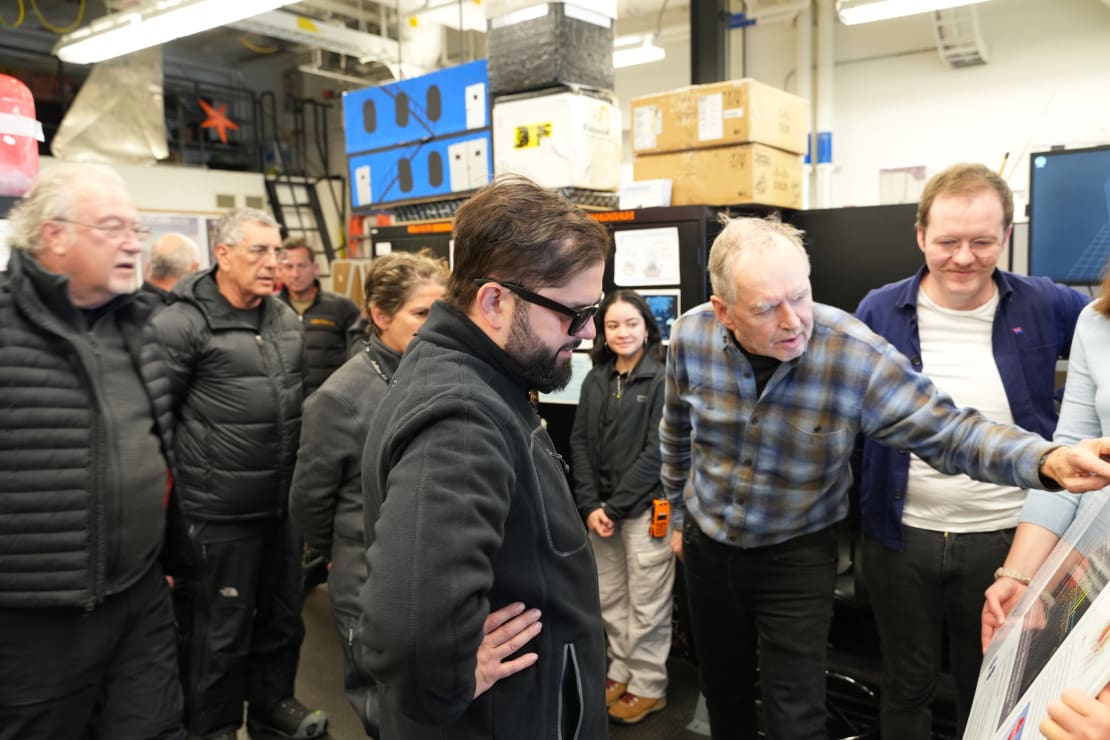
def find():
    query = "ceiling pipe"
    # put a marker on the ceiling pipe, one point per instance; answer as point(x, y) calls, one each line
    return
point(822, 153)
point(803, 83)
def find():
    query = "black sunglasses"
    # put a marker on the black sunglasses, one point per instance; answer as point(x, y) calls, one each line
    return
point(578, 317)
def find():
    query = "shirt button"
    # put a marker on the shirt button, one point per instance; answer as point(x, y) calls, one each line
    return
point(755, 420)
point(748, 462)
point(747, 375)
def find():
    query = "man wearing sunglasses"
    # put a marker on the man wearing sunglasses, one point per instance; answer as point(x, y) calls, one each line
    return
point(479, 566)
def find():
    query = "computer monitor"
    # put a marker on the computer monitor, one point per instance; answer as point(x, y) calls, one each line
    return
point(855, 250)
point(1069, 214)
point(665, 307)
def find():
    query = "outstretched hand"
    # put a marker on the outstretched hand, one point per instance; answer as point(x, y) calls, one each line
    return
point(1081, 468)
point(505, 631)
point(1078, 716)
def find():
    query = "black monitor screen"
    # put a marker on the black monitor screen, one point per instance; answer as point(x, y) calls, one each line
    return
point(664, 305)
point(1069, 214)
point(854, 250)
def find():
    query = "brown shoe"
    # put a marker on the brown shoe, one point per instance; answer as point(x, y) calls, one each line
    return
point(631, 708)
point(614, 690)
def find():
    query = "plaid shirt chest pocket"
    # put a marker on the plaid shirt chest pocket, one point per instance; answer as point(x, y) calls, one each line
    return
point(810, 454)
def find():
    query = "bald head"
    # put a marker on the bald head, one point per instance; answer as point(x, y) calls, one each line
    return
point(172, 257)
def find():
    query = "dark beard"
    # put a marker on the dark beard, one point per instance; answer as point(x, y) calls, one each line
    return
point(540, 366)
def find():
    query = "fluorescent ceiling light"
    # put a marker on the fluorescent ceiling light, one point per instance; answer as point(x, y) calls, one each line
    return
point(852, 12)
point(298, 29)
point(644, 53)
point(152, 23)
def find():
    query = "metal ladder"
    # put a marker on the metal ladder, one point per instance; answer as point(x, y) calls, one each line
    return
point(293, 194)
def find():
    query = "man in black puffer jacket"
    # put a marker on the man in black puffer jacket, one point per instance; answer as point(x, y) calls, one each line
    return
point(236, 354)
point(330, 321)
point(89, 644)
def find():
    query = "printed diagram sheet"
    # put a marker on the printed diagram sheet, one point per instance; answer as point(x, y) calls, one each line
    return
point(1056, 637)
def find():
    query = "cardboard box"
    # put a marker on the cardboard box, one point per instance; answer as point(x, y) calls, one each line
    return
point(563, 139)
point(428, 169)
point(347, 278)
point(443, 103)
point(727, 175)
point(719, 113)
point(550, 44)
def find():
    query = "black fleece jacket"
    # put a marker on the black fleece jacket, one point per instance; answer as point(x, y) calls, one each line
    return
point(635, 457)
point(475, 513)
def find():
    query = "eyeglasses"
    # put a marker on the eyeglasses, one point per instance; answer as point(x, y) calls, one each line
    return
point(578, 317)
point(258, 251)
point(114, 230)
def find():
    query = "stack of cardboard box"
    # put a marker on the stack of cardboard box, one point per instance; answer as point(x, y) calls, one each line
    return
point(723, 143)
point(555, 117)
point(418, 140)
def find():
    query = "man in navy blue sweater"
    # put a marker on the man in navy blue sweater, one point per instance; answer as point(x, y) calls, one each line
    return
point(990, 339)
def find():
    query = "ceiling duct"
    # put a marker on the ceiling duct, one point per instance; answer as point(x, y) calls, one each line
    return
point(300, 29)
point(959, 40)
point(320, 63)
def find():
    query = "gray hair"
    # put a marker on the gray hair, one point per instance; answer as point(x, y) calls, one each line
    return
point(55, 194)
point(229, 230)
point(741, 235)
point(172, 256)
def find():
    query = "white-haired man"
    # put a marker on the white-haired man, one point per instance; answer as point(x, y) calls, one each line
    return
point(89, 645)
point(766, 393)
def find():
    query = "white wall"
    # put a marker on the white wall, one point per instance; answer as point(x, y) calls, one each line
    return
point(896, 103)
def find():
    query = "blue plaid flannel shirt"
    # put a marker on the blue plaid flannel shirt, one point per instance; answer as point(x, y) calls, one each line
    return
point(755, 471)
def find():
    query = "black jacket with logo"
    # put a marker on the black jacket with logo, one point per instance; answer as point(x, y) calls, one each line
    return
point(637, 460)
point(330, 328)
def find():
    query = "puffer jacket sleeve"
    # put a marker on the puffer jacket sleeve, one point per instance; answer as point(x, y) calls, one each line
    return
point(331, 447)
point(181, 331)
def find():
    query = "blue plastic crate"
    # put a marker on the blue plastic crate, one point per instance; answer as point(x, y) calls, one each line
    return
point(427, 169)
point(443, 103)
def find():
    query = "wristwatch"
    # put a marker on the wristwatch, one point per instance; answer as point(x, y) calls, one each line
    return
point(1049, 484)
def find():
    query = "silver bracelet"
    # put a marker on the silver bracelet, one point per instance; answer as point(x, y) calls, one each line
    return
point(1017, 575)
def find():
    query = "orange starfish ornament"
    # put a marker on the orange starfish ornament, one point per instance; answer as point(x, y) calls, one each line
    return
point(217, 119)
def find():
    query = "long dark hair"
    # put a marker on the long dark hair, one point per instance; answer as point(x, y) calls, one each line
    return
point(600, 352)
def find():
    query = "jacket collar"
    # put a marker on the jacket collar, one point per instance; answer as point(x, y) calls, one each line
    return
point(448, 327)
point(31, 281)
point(201, 290)
point(647, 366)
point(283, 294)
point(387, 359)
